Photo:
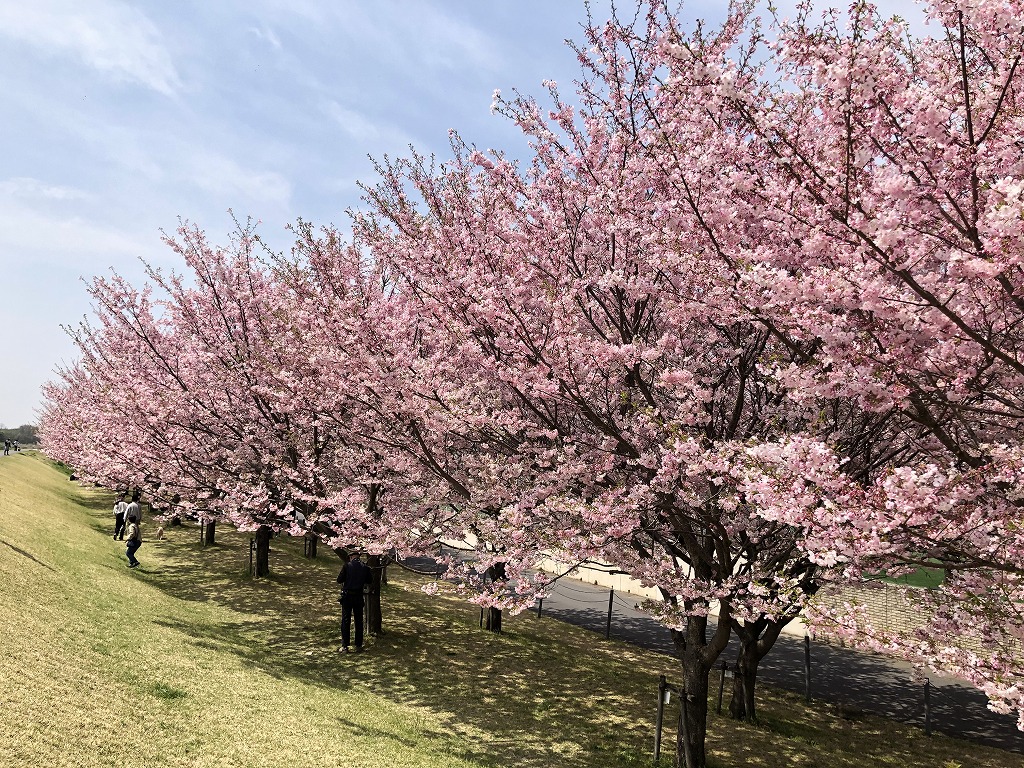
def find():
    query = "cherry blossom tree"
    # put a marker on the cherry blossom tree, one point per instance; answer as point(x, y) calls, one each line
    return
point(887, 169)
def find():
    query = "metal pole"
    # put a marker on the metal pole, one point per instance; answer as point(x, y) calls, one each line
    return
point(721, 689)
point(927, 707)
point(608, 625)
point(540, 607)
point(660, 719)
point(807, 668)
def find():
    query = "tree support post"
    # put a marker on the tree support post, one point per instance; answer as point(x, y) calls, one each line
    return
point(684, 729)
point(608, 624)
point(807, 668)
point(662, 695)
point(721, 687)
point(927, 707)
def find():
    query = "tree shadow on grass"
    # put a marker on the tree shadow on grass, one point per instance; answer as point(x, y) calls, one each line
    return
point(530, 698)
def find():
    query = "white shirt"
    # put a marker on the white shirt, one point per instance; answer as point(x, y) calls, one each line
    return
point(133, 509)
point(120, 508)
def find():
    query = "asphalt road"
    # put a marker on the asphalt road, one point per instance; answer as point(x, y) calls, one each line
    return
point(861, 681)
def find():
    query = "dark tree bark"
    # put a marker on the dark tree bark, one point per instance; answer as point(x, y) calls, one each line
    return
point(312, 540)
point(496, 573)
point(697, 655)
point(263, 551)
point(493, 617)
point(211, 533)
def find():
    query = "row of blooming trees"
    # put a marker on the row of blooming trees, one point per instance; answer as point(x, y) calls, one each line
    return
point(748, 323)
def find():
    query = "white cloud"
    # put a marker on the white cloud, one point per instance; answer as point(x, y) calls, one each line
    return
point(267, 35)
point(29, 233)
point(111, 37)
point(222, 175)
point(25, 187)
point(375, 134)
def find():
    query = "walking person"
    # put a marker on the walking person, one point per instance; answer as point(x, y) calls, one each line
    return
point(120, 514)
point(7, 447)
point(354, 578)
point(134, 540)
point(134, 509)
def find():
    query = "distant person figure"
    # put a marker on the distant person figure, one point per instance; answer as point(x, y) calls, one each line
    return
point(120, 514)
point(7, 447)
point(134, 540)
point(354, 577)
point(133, 508)
point(16, 446)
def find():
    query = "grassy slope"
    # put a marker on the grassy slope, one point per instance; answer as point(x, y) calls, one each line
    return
point(187, 662)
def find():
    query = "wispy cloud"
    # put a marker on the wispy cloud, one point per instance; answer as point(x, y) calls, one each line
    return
point(267, 35)
point(27, 232)
point(224, 176)
point(372, 133)
point(25, 187)
point(111, 37)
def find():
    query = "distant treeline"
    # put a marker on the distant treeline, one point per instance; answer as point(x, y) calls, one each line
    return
point(25, 434)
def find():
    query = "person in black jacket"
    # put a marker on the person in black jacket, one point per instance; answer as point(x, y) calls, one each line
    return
point(354, 577)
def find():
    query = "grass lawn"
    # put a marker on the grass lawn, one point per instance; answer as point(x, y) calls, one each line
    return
point(186, 661)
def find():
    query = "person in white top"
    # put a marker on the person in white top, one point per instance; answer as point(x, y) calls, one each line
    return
point(133, 509)
point(120, 514)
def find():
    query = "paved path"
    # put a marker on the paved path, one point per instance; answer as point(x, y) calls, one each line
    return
point(865, 681)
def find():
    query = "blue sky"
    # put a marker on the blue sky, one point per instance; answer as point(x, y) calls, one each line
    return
point(119, 117)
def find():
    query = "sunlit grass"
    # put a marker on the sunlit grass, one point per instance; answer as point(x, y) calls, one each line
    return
point(187, 661)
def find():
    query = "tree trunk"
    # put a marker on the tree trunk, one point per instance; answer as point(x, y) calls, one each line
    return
point(312, 539)
point(697, 656)
point(741, 707)
point(496, 573)
point(211, 533)
point(494, 619)
point(175, 521)
point(373, 608)
point(263, 551)
point(756, 640)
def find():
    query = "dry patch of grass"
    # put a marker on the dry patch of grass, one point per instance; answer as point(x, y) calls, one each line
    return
point(188, 662)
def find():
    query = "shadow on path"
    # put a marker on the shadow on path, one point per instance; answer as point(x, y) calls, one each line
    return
point(857, 680)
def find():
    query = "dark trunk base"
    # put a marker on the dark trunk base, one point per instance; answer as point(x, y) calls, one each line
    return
point(262, 560)
point(493, 616)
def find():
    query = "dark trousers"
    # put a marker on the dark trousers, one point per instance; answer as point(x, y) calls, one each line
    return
point(352, 604)
point(131, 549)
point(119, 525)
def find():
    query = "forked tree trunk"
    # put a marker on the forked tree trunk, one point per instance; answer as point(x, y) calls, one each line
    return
point(697, 656)
point(263, 551)
point(756, 639)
